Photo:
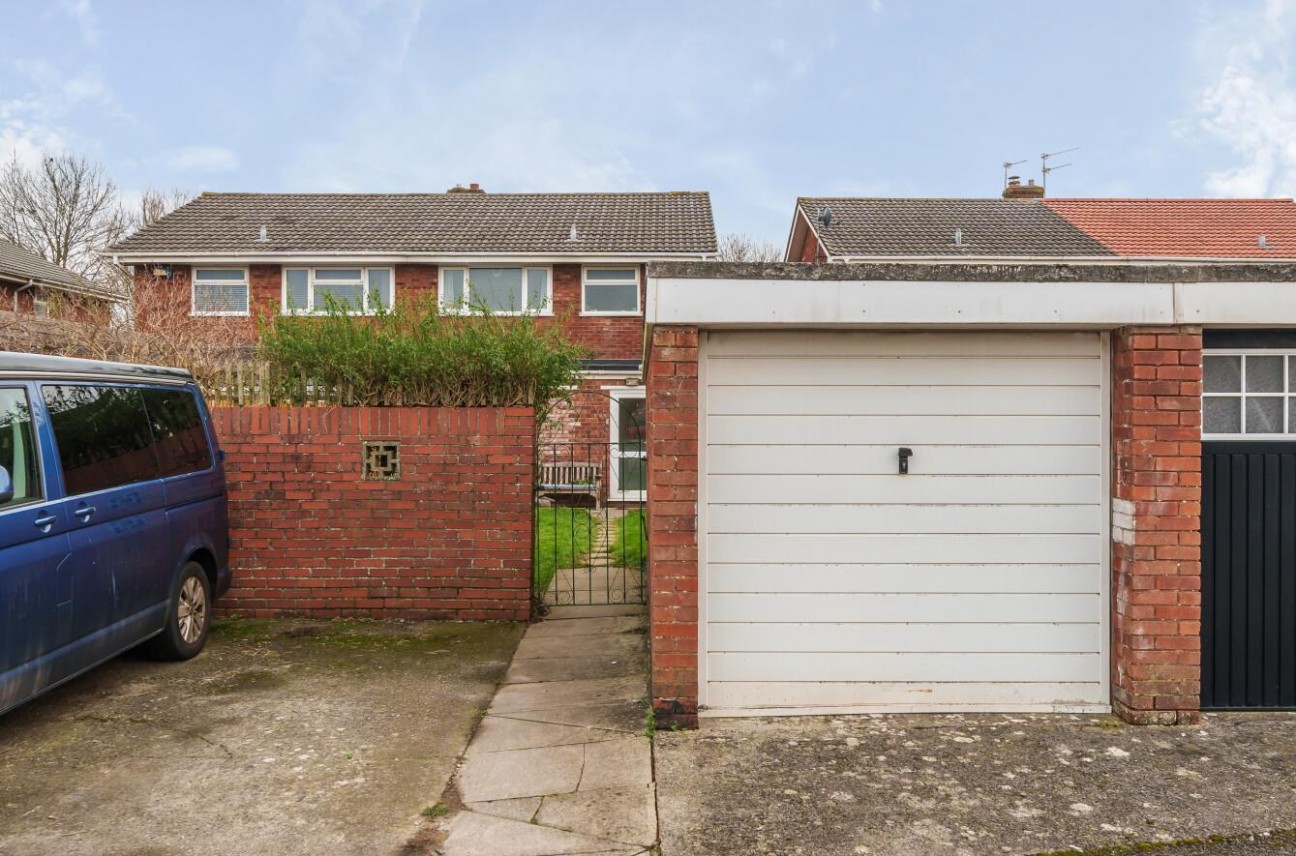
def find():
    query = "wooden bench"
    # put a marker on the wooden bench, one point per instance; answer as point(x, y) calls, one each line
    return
point(571, 479)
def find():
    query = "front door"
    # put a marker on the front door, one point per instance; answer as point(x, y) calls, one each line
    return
point(628, 453)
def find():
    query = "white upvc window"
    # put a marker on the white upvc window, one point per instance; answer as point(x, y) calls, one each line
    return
point(610, 291)
point(501, 290)
point(358, 291)
point(220, 291)
point(1248, 394)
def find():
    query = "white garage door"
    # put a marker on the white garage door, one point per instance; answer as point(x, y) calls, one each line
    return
point(974, 582)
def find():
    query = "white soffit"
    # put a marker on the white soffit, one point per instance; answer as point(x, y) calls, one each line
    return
point(850, 303)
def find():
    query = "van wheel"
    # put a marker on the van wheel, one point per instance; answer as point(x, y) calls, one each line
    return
point(188, 617)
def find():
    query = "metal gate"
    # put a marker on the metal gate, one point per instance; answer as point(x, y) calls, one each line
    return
point(591, 543)
point(1248, 575)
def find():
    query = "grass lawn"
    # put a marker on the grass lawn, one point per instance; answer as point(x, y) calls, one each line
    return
point(627, 548)
point(564, 536)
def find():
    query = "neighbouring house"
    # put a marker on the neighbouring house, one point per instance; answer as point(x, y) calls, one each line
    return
point(578, 258)
point(29, 284)
point(997, 455)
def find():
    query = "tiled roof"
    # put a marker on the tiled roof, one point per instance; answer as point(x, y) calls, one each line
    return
point(1187, 228)
point(926, 227)
point(17, 263)
point(449, 223)
point(1061, 228)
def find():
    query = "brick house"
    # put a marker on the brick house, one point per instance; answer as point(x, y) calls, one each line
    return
point(28, 284)
point(997, 455)
point(575, 258)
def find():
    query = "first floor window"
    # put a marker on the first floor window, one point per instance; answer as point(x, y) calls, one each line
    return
point(355, 290)
point(220, 291)
point(1248, 393)
point(505, 290)
point(610, 291)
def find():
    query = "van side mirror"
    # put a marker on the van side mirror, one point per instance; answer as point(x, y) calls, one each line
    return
point(6, 486)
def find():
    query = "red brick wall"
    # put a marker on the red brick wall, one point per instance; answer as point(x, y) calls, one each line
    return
point(451, 539)
point(610, 337)
point(613, 337)
point(167, 302)
point(1156, 517)
point(811, 251)
point(672, 392)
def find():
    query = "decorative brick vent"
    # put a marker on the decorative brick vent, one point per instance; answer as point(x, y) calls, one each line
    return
point(381, 461)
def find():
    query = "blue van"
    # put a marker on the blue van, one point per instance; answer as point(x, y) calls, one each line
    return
point(113, 518)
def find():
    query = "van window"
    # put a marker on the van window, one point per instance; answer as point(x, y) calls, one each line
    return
point(103, 436)
point(18, 453)
point(178, 430)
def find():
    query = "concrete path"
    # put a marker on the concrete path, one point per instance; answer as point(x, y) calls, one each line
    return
point(597, 581)
point(561, 763)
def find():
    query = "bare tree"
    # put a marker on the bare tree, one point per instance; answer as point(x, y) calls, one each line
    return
point(155, 204)
point(741, 247)
point(65, 210)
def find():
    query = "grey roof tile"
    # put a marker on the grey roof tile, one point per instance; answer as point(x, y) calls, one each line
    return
point(18, 263)
point(449, 223)
point(925, 227)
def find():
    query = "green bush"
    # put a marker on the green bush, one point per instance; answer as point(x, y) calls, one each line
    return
point(415, 356)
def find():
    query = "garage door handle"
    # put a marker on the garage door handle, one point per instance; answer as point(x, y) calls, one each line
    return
point(905, 455)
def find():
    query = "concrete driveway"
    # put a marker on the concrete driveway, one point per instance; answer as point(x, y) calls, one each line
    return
point(976, 785)
point(281, 738)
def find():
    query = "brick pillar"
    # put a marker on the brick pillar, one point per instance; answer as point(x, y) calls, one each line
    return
point(672, 403)
point(1156, 524)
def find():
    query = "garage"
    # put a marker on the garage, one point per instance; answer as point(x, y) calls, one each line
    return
point(833, 580)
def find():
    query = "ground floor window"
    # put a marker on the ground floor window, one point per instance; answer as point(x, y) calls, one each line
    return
point(1251, 393)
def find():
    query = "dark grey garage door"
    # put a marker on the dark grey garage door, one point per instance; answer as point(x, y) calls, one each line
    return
point(1249, 522)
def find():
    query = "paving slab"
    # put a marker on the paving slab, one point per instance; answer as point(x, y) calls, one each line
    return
point(561, 764)
point(500, 733)
point(626, 716)
point(625, 814)
point(967, 785)
point(518, 698)
point(613, 645)
point(488, 776)
point(547, 669)
point(617, 764)
point(605, 626)
point(473, 834)
point(522, 808)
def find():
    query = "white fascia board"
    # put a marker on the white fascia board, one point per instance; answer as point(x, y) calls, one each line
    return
point(857, 303)
point(1242, 304)
point(316, 258)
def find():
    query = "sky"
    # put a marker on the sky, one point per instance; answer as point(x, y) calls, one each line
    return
point(757, 102)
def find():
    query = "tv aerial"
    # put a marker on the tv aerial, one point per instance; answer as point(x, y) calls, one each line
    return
point(1007, 165)
point(1045, 169)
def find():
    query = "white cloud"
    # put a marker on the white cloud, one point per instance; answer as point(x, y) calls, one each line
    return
point(1250, 104)
point(83, 13)
point(202, 159)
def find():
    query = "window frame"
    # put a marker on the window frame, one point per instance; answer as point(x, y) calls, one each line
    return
point(193, 292)
point(365, 290)
point(466, 307)
point(621, 313)
point(42, 476)
point(616, 493)
point(1286, 394)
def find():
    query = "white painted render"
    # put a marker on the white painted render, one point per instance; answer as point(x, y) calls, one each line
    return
point(830, 583)
point(862, 303)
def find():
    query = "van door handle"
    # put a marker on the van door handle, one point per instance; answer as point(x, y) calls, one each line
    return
point(45, 522)
point(85, 512)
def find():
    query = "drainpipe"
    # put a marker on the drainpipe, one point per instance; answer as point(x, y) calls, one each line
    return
point(31, 283)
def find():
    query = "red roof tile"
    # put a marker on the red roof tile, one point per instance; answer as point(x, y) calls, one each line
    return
point(1186, 228)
